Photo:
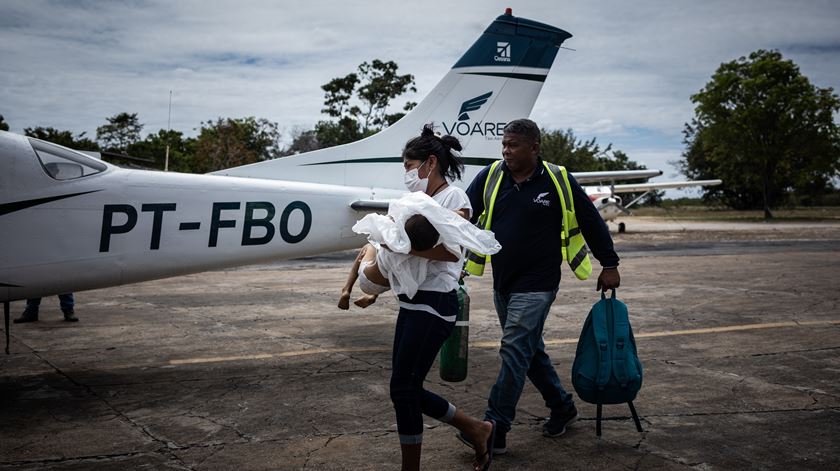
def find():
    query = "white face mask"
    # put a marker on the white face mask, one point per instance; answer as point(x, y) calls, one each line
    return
point(413, 181)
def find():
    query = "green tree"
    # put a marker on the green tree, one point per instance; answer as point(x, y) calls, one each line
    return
point(337, 95)
point(303, 140)
point(381, 84)
point(122, 130)
point(766, 131)
point(4, 126)
point(361, 100)
point(153, 147)
point(578, 155)
point(333, 133)
point(228, 142)
point(62, 138)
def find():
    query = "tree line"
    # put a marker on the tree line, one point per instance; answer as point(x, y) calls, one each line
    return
point(762, 127)
point(759, 125)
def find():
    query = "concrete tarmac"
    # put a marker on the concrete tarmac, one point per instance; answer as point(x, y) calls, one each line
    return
point(737, 325)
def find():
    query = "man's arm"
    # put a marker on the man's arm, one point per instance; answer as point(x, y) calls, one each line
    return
point(597, 237)
point(475, 192)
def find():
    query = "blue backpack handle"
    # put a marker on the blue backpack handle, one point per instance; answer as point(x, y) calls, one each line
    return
point(621, 335)
point(599, 329)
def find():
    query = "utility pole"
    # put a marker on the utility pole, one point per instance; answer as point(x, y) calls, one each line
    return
point(168, 128)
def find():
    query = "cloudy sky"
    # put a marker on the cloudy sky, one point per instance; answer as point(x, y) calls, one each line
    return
point(71, 64)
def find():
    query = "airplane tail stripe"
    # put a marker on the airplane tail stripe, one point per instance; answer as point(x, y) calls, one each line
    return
point(374, 160)
point(18, 205)
point(481, 161)
point(531, 77)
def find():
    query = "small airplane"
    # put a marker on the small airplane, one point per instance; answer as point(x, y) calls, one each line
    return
point(610, 205)
point(70, 222)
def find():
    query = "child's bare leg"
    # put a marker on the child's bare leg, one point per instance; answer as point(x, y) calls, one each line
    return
point(366, 253)
point(373, 274)
point(344, 299)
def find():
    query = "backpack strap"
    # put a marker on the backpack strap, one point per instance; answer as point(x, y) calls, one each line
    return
point(599, 329)
point(621, 337)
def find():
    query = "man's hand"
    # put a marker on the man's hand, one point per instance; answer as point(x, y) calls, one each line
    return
point(608, 279)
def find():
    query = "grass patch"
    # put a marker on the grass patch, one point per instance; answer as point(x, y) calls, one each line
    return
point(704, 213)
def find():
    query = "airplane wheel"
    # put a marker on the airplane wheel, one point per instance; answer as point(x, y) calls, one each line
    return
point(621, 227)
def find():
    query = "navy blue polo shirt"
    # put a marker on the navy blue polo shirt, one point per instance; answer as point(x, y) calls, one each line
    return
point(527, 221)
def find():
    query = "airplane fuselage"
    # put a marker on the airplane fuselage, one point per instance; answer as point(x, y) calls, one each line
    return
point(122, 226)
point(607, 203)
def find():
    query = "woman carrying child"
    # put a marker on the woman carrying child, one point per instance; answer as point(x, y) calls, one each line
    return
point(426, 320)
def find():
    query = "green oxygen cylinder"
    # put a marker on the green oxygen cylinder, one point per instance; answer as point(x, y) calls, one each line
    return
point(455, 350)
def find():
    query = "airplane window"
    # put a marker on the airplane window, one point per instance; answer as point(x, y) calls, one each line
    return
point(62, 163)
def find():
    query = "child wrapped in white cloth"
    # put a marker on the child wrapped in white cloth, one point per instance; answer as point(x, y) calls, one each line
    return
point(392, 266)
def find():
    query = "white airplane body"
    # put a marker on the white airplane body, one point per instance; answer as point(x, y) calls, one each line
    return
point(610, 205)
point(120, 226)
point(70, 222)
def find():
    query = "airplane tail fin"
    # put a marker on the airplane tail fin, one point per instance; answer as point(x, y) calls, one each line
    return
point(496, 81)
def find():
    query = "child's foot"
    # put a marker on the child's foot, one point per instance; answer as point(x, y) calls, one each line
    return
point(365, 301)
point(344, 300)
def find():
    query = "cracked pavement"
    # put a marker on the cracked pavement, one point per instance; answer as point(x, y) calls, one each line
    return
point(737, 326)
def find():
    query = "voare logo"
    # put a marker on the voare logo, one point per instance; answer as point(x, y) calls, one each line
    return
point(541, 199)
point(462, 128)
point(473, 104)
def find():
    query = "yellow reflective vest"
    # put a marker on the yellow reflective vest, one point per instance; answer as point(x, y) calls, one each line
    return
point(573, 243)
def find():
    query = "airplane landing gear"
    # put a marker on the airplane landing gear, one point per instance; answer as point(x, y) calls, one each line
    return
point(621, 228)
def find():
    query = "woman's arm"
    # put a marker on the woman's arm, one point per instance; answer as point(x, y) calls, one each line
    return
point(437, 252)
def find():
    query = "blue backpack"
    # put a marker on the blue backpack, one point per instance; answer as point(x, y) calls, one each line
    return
point(607, 369)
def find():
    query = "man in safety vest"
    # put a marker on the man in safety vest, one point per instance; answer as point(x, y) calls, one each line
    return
point(541, 216)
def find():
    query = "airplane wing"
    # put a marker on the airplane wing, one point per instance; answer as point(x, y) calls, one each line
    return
point(632, 187)
point(611, 176)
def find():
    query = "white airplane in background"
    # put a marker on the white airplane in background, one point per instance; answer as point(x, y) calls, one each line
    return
point(609, 204)
point(70, 222)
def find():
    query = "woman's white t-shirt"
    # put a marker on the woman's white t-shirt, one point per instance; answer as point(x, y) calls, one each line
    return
point(443, 276)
